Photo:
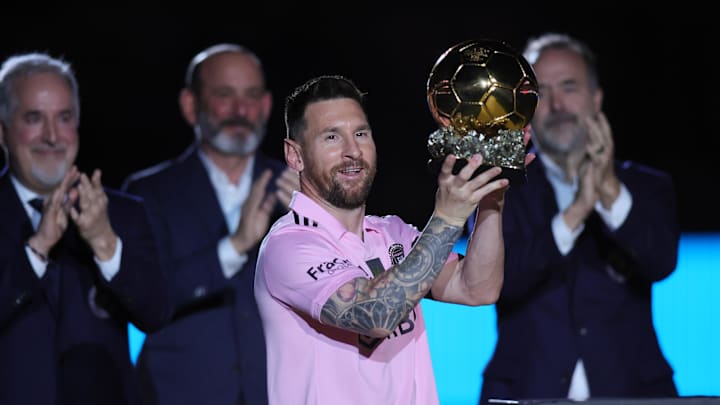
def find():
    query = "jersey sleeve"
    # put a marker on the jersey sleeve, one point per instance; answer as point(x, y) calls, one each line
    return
point(302, 269)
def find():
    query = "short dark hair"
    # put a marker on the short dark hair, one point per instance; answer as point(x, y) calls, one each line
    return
point(552, 40)
point(320, 88)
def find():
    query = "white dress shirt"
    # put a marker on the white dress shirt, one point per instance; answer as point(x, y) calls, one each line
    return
point(232, 198)
point(565, 240)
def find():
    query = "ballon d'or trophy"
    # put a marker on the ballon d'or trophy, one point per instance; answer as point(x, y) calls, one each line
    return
point(483, 94)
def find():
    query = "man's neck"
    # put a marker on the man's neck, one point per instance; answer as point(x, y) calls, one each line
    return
point(232, 165)
point(352, 218)
point(28, 192)
point(567, 162)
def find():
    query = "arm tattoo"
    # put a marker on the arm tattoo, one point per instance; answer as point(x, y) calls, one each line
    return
point(380, 304)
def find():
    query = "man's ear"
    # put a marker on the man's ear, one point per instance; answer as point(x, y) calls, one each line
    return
point(598, 100)
point(188, 106)
point(293, 157)
point(267, 103)
point(4, 153)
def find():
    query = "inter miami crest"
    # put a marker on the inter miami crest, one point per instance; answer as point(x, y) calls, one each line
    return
point(397, 253)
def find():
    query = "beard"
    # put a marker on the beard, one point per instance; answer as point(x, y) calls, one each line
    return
point(224, 142)
point(333, 191)
point(560, 133)
point(49, 174)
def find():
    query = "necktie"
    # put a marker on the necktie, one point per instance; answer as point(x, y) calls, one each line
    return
point(37, 203)
point(52, 271)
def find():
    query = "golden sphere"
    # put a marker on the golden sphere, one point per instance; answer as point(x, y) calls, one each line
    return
point(482, 85)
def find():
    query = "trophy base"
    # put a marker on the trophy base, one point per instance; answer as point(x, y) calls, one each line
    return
point(515, 176)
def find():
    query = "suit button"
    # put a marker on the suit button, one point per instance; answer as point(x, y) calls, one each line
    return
point(20, 299)
point(583, 331)
point(199, 292)
point(563, 380)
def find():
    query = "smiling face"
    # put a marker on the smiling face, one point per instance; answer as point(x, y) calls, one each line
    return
point(42, 130)
point(336, 154)
point(566, 98)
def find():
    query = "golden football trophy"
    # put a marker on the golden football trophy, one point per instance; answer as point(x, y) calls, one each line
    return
point(482, 93)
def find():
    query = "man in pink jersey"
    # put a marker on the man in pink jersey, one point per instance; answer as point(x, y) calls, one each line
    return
point(338, 290)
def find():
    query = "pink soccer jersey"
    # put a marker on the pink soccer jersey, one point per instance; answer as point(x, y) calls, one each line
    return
point(306, 257)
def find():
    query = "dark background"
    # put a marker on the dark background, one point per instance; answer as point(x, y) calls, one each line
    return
point(656, 69)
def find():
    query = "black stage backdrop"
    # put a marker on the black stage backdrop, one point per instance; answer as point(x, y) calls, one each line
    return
point(655, 66)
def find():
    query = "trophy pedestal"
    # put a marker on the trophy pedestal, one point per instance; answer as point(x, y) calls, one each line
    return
point(516, 176)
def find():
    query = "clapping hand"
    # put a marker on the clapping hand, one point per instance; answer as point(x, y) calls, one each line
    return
point(90, 215)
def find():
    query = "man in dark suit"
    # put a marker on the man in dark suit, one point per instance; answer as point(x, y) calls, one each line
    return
point(210, 207)
point(586, 237)
point(77, 261)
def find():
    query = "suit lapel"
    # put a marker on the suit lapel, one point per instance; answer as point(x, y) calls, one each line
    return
point(203, 205)
point(14, 216)
point(201, 202)
point(538, 195)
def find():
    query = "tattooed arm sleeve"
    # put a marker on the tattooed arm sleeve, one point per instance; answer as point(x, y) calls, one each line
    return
point(375, 307)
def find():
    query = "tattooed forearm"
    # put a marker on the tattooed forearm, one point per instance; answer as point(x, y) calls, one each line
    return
point(375, 307)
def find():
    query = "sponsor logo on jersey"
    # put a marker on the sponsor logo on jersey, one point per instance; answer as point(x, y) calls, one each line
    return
point(328, 267)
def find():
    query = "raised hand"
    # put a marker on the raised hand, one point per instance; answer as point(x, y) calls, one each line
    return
point(527, 135)
point(601, 150)
point(256, 213)
point(92, 218)
point(54, 220)
point(458, 195)
point(288, 182)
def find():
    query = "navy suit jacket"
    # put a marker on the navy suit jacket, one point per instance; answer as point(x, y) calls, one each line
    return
point(75, 350)
point(214, 350)
point(594, 303)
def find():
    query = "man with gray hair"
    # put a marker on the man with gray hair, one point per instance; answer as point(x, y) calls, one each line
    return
point(588, 235)
point(77, 261)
